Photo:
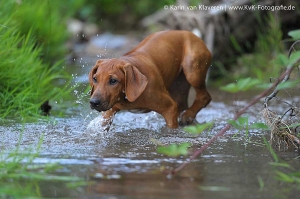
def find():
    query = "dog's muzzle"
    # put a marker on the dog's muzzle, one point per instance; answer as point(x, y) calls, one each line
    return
point(98, 105)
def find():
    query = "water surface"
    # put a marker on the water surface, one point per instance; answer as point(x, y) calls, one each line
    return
point(123, 163)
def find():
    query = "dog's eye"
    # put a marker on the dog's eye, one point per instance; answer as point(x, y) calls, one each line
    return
point(94, 79)
point(112, 81)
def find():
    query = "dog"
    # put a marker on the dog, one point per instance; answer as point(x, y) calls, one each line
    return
point(154, 76)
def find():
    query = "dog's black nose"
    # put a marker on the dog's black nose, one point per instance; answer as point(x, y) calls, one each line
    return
point(94, 102)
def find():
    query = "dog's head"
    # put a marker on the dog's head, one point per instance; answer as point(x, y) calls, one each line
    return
point(111, 80)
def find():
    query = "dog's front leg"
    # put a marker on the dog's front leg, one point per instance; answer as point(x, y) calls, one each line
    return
point(167, 107)
point(108, 117)
point(171, 119)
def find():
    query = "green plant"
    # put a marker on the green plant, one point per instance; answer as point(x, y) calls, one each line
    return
point(46, 20)
point(121, 14)
point(267, 47)
point(284, 172)
point(242, 123)
point(174, 150)
point(241, 85)
point(295, 34)
point(21, 178)
point(198, 129)
point(243, 126)
point(182, 149)
point(26, 80)
point(244, 84)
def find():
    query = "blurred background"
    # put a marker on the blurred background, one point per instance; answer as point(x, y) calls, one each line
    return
point(47, 48)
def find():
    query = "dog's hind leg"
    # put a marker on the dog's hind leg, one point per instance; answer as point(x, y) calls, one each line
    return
point(195, 69)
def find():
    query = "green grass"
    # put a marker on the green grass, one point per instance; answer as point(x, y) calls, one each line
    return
point(25, 81)
point(32, 36)
point(258, 64)
point(21, 178)
point(283, 171)
point(46, 20)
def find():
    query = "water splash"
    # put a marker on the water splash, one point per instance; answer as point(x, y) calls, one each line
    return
point(95, 128)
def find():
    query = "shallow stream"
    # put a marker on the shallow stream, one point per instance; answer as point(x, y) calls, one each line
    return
point(123, 163)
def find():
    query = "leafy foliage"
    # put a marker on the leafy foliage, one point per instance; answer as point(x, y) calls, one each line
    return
point(174, 149)
point(240, 123)
point(241, 85)
point(244, 84)
point(182, 149)
point(281, 60)
point(199, 128)
point(288, 84)
point(295, 34)
point(294, 58)
point(243, 122)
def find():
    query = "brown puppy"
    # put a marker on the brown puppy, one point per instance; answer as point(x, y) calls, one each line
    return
point(154, 76)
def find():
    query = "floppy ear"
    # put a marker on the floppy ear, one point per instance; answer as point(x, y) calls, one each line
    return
point(135, 82)
point(91, 74)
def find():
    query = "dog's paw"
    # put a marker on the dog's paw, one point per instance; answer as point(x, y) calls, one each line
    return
point(186, 117)
point(98, 126)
